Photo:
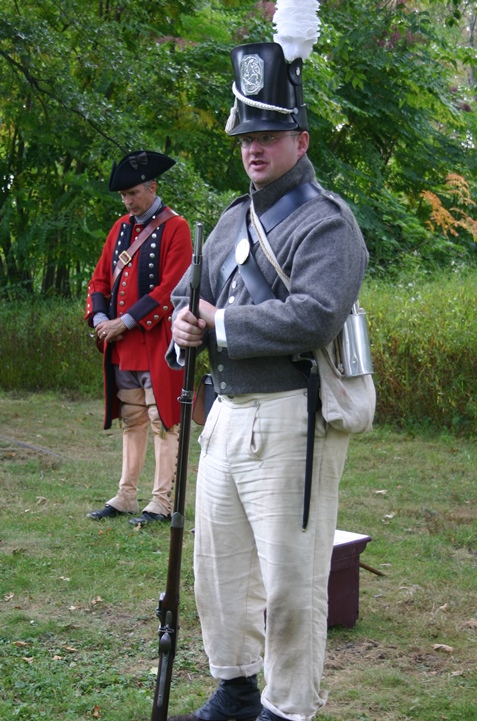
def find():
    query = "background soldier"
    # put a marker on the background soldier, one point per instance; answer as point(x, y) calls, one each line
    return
point(129, 304)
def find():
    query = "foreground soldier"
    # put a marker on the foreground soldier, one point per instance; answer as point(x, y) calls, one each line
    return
point(260, 580)
point(130, 306)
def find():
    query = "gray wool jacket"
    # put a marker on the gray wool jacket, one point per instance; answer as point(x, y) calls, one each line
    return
point(321, 249)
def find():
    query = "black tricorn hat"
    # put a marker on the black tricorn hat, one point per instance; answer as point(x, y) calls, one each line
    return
point(138, 167)
point(268, 91)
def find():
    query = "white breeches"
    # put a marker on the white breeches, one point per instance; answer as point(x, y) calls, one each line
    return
point(251, 555)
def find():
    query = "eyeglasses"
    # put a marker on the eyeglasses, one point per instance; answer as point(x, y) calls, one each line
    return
point(264, 140)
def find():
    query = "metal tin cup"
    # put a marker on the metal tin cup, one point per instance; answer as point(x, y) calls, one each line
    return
point(354, 346)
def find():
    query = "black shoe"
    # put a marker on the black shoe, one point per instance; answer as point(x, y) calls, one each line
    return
point(147, 517)
point(106, 512)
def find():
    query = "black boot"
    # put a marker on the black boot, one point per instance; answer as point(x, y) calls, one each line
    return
point(235, 700)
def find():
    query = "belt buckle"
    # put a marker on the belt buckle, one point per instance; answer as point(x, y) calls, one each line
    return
point(127, 258)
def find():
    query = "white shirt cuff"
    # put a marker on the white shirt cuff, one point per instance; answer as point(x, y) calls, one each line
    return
point(180, 355)
point(99, 318)
point(220, 328)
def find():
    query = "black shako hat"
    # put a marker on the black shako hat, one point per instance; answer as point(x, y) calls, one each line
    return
point(268, 91)
point(138, 167)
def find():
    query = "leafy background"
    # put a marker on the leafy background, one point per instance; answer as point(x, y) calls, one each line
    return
point(390, 89)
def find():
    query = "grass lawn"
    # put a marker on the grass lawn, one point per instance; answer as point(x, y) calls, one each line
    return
point(78, 635)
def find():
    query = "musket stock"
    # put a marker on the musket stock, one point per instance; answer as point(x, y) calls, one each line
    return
point(168, 609)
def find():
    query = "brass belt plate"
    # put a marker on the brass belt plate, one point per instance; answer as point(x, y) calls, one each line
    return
point(242, 251)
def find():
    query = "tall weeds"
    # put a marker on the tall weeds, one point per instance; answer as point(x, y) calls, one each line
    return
point(45, 346)
point(422, 329)
point(424, 343)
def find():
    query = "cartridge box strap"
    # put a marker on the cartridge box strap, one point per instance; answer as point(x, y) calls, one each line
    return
point(127, 255)
point(284, 207)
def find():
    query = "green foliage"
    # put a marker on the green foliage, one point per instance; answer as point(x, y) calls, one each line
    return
point(393, 127)
point(84, 84)
point(389, 93)
point(424, 344)
point(422, 329)
point(45, 345)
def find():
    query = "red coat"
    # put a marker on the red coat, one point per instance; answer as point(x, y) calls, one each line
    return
point(144, 291)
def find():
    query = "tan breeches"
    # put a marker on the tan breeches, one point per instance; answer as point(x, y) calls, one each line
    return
point(138, 410)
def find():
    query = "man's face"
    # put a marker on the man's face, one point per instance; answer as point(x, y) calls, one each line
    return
point(266, 163)
point(140, 198)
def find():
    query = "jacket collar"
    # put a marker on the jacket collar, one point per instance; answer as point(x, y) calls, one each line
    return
point(302, 172)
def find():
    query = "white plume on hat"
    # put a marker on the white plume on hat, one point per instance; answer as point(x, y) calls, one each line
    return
point(297, 27)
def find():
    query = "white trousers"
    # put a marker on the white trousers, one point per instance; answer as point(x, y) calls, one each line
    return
point(252, 558)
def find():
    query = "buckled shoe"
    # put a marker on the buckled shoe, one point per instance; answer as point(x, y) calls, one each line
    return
point(148, 517)
point(106, 512)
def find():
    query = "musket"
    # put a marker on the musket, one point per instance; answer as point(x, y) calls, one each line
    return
point(168, 608)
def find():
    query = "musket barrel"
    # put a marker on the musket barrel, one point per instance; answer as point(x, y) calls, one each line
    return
point(168, 609)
